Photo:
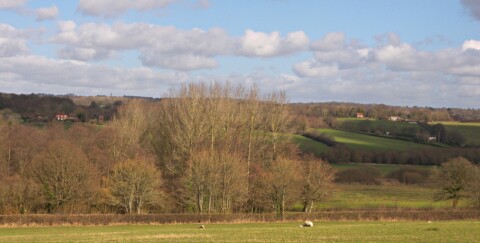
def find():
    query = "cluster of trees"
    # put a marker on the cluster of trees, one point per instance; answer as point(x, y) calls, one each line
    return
point(43, 108)
point(206, 148)
point(419, 132)
point(340, 153)
point(319, 114)
point(370, 175)
point(458, 178)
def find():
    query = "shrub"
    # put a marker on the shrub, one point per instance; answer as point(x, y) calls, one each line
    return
point(410, 175)
point(362, 175)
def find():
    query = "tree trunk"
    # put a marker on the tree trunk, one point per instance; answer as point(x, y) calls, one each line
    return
point(455, 203)
point(199, 201)
point(282, 206)
point(305, 206)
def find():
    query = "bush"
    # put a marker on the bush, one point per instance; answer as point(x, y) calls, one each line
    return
point(410, 175)
point(361, 175)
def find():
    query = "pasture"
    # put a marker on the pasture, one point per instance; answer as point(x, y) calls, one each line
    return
point(385, 169)
point(470, 130)
point(372, 143)
point(309, 145)
point(337, 231)
point(357, 196)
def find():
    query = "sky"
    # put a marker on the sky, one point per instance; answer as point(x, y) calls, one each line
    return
point(407, 53)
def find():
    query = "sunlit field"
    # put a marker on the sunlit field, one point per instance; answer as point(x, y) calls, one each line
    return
point(384, 196)
point(343, 231)
point(367, 142)
point(470, 130)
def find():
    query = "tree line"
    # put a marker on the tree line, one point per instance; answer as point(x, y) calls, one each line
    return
point(316, 115)
point(206, 148)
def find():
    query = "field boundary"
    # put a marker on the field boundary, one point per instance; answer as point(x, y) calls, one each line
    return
point(352, 215)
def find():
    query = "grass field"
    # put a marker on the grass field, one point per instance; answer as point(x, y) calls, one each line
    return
point(372, 143)
point(309, 145)
point(384, 196)
point(471, 131)
point(383, 123)
point(344, 231)
point(384, 168)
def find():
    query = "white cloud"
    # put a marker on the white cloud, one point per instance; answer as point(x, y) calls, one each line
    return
point(110, 8)
point(169, 47)
point(12, 47)
point(159, 46)
point(401, 56)
point(330, 42)
point(83, 54)
point(391, 70)
point(12, 41)
point(11, 4)
point(37, 70)
point(179, 62)
point(267, 45)
point(46, 13)
point(311, 68)
point(471, 44)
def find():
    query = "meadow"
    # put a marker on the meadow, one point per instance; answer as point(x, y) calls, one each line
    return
point(395, 196)
point(371, 143)
point(385, 169)
point(331, 231)
point(470, 130)
point(309, 145)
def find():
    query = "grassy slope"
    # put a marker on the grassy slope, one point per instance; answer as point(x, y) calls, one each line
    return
point(384, 196)
point(345, 231)
point(309, 145)
point(384, 168)
point(366, 142)
point(471, 131)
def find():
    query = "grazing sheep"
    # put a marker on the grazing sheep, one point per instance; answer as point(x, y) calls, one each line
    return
point(202, 226)
point(307, 224)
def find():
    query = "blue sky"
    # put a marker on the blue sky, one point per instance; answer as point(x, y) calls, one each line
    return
point(409, 52)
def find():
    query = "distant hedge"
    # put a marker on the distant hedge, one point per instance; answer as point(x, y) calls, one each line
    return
point(353, 215)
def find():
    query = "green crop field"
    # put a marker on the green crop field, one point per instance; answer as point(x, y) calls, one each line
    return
point(384, 124)
point(384, 196)
point(309, 145)
point(367, 142)
point(344, 231)
point(470, 130)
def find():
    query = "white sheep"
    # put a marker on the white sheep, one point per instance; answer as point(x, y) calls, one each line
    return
point(307, 224)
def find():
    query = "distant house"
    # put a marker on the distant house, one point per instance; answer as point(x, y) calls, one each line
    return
point(360, 115)
point(395, 118)
point(101, 119)
point(61, 117)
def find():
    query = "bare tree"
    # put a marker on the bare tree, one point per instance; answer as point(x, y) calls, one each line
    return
point(317, 180)
point(64, 174)
point(134, 184)
point(282, 178)
point(276, 120)
point(130, 127)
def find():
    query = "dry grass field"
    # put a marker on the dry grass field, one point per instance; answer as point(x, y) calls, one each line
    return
point(337, 231)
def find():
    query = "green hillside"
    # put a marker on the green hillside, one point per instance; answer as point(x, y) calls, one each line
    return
point(385, 169)
point(309, 145)
point(373, 143)
point(470, 130)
